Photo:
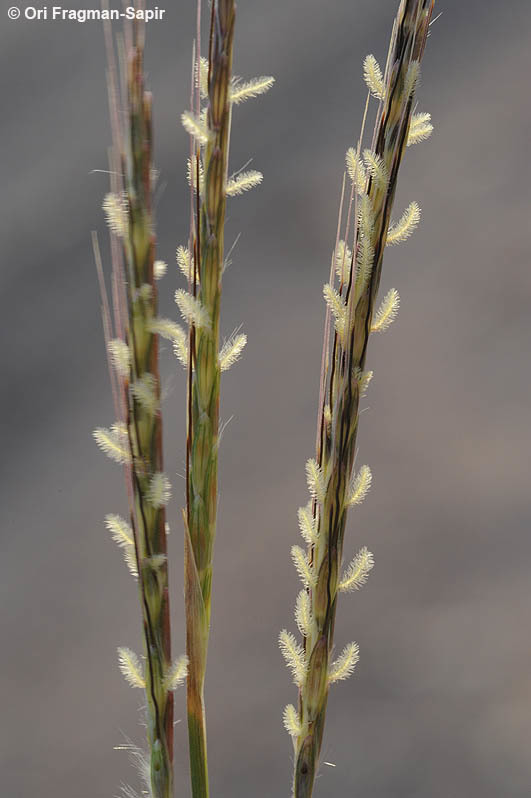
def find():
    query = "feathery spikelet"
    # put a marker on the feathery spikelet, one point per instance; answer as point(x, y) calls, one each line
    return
point(166, 328)
point(130, 560)
point(177, 673)
point(231, 351)
point(239, 92)
point(291, 721)
point(120, 530)
point(344, 664)
point(376, 168)
point(343, 261)
point(356, 170)
point(201, 76)
point(114, 442)
point(159, 490)
point(303, 613)
point(180, 348)
point(196, 127)
point(315, 480)
point(420, 128)
point(120, 356)
point(406, 225)
point(243, 182)
point(387, 311)
point(115, 208)
point(372, 74)
point(337, 307)
point(360, 486)
point(191, 175)
point(302, 564)
point(293, 654)
point(160, 268)
point(130, 666)
point(364, 380)
point(357, 572)
point(307, 524)
point(412, 78)
point(183, 260)
point(145, 392)
point(191, 309)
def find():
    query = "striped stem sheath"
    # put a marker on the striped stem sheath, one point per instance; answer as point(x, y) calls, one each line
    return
point(339, 422)
point(204, 386)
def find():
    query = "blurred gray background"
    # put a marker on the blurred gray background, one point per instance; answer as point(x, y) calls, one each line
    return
point(440, 705)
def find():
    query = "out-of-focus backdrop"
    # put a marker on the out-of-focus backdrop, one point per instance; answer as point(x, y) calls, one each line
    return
point(440, 705)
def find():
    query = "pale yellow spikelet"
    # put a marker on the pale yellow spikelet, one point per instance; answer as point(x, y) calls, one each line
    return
point(293, 654)
point(177, 673)
point(131, 668)
point(302, 564)
point(231, 351)
point(130, 560)
point(366, 217)
point(343, 260)
point(196, 127)
point(120, 356)
point(115, 208)
point(239, 92)
point(345, 663)
point(201, 76)
point(145, 292)
point(145, 392)
point(166, 328)
point(386, 313)
point(120, 530)
point(364, 380)
point(180, 348)
point(192, 309)
point(420, 128)
point(406, 225)
point(372, 75)
point(338, 308)
point(376, 168)
point(184, 261)
point(303, 613)
point(357, 572)
point(114, 442)
point(307, 524)
point(412, 78)
point(360, 486)
point(191, 175)
point(356, 170)
point(159, 490)
point(315, 480)
point(291, 721)
point(160, 268)
point(244, 181)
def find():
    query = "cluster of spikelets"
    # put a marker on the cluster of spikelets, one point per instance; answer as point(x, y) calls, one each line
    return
point(190, 307)
point(360, 166)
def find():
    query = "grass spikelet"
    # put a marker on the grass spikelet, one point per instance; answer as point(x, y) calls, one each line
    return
point(159, 490)
point(243, 182)
point(337, 307)
point(196, 127)
point(303, 613)
point(360, 486)
point(344, 665)
point(231, 351)
point(420, 128)
point(120, 530)
point(358, 571)
point(387, 312)
point(356, 170)
point(343, 261)
point(302, 564)
point(120, 356)
point(183, 261)
point(180, 348)
point(167, 329)
point(160, 268)
point(291, 721)
point(373, 77)
point(307, 524)
point(239, 92)
point(130, 666)
point(201, 76)
point(293, 654)
point(412, 78)
point(376, 168)
point(177, 673)
point(192, 309)
point(406, 225)
point(364, 379)
point(115, 207)
point(144, 389)
point(113, 442)
point(315, 480)
point(191, 175)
